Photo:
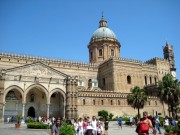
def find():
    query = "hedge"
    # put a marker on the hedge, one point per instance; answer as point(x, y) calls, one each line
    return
point(37, 125)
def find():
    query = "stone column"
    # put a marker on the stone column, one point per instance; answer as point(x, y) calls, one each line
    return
point(3, 109)
point(68, 97)
point(48, 110)
point(64, 107)
point(23, 110)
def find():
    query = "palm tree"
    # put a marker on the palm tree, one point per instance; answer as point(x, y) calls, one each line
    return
point(169, 90)
point(137, 98)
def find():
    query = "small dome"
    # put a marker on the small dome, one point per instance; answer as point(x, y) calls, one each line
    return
point(103, 32)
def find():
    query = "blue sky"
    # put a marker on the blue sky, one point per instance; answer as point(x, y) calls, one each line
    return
point(62, 29)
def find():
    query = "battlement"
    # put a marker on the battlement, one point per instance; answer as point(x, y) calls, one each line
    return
point(153, 60)
point(130, 60)
point(49, 61)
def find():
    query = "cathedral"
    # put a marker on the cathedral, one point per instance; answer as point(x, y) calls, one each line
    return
point(36, 86)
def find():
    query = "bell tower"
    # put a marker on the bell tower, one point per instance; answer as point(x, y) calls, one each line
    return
point(169, 55)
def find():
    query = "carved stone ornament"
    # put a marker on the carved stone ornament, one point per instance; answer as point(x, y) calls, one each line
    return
point(36, 69)
point(11, 96)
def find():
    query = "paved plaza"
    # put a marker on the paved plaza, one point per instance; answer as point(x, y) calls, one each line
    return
point(9, 129)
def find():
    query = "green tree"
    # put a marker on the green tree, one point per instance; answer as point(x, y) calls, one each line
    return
point(103, 114)
point(137, 98)
point(169, 90)
point(111, 116)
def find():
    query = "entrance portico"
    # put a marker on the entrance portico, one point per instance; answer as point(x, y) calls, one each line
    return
point(43, 95)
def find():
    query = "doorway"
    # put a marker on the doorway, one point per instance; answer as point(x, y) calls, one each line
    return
point(31, 112)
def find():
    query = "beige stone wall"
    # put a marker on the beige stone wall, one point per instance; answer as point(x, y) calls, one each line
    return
point(116, 105)
point(112, 94)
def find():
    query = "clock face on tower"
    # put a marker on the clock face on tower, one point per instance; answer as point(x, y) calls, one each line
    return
point(173, 73)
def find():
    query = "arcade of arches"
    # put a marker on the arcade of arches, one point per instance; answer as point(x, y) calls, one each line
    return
point(34, 103)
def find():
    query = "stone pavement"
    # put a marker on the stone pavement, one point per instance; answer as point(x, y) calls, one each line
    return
point(126, 130)
point(9, 129)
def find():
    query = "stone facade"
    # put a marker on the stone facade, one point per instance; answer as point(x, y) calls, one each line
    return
point(34, 86)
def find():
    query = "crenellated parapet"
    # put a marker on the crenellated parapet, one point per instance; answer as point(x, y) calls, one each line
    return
point(154, 60)
point(17, 58)
point(128, 60)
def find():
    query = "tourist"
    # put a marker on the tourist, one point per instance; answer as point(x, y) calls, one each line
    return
point(144, 125)
point(120, 122)
point(106, 123)
point(80, 124)
point(166, 121)
point(56, 127)
point(101, 125)
point(85, 124)
point(76, 126)
point(89, 130)
point(94, 125)
point(157, 124)
point(99, 131)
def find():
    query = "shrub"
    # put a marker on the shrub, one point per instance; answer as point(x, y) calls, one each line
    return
point(67, 129)
point(111, 116)
point(125, 119)
point(37, 125)
point(161, 120)
point(103, 114)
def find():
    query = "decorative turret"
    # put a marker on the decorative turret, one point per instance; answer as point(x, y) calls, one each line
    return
point(103, 44)
point(102, 22)
point(169, 55)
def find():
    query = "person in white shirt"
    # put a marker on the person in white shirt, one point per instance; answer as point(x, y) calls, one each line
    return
point(76, 126)
point(80, 123)
point(166, 121)
point(94, 125)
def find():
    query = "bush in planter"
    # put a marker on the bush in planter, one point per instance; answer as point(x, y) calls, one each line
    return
point(171, 129)
point(19, 118)
point(66, 129)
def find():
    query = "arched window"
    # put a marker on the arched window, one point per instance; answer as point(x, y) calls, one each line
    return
point(111, 102)
point(53, 95)
point(100, 52)
point(94, 102)
point(112, 52)
point(155, 81)
point(155, 102)
point(32, 98)
point(104, 82)
point(89, 83)
point(129, 79)
point(150, 79)
point(145, 79)
point(119, 103)
point(102, 102)
point(91, 55)
point(84, 102)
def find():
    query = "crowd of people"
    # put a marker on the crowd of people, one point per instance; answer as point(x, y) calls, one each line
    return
point(94, 126)
point(85, 126)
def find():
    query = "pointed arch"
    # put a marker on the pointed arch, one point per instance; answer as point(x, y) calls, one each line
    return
point(57, 90)
point(10, 88)
point(35, 86)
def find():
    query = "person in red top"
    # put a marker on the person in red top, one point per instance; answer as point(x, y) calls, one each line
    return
point(144, 125)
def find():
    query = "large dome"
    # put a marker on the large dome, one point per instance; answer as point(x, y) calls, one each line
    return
point(103, 32)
